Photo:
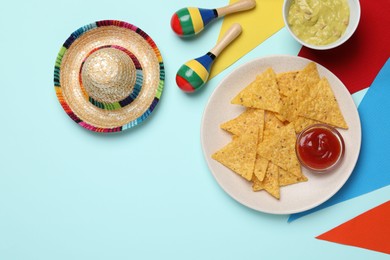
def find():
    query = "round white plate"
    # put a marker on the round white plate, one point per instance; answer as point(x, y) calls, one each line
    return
point(294, 198)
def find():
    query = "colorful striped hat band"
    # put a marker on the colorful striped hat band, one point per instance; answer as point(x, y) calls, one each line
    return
point(109, 76)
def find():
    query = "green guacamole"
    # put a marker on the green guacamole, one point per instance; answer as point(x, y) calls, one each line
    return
point(318, 22)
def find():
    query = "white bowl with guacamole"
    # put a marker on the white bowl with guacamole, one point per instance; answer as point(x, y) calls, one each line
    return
point(321, 24)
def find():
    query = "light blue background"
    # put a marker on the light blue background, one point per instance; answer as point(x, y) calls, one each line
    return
point(67, 193)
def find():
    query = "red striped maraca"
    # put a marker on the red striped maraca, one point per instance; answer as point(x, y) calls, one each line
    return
point(194, 73)
point(191, 20)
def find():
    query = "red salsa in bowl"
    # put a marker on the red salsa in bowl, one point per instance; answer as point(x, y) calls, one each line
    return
point(320, 147)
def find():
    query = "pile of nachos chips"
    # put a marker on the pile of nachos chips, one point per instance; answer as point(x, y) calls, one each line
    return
point(278, 107)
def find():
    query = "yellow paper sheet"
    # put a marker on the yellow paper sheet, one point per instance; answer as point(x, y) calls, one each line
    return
point(258, 24)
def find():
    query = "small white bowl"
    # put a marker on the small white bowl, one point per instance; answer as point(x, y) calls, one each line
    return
point(354, 18)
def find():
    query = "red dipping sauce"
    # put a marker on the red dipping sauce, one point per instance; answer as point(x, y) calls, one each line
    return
point(320, 147)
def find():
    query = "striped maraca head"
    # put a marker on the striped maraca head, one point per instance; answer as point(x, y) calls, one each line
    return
point(190, 21)
point(194, 73)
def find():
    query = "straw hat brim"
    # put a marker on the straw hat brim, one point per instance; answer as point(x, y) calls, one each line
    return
point(69, 61)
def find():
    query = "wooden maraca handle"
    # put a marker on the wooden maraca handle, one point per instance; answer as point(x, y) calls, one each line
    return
point(236, 7)
point(227, 38)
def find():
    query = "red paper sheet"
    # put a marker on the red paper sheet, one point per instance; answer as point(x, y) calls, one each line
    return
point(370, 230)
point(358, 61)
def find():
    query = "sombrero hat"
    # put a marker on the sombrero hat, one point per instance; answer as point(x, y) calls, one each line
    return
point(109, 76)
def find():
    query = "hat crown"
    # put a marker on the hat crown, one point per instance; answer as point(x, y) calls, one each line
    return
point(108, 75)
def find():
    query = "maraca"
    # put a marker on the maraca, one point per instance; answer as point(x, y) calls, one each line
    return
point(191, 20)
point(194, 73)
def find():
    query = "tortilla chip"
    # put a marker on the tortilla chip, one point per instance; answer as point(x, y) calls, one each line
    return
point(260, 169)
point(271, 122)
point(300, 86)
point(285, 82)
point(279, 148)
point(263, 93)
point(257, 185)
point(270, 183)
point(306, 79)
point(287, 178)
point(323, 107)
point(240, 154)
point(290, 106)
point(249, 118)
point(302, 122)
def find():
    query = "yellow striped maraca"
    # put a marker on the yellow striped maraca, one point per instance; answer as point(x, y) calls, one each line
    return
point(191, 20)
point(194, 73)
